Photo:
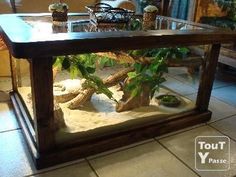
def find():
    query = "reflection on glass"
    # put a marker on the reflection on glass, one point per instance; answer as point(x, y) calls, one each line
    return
point(103, 92)
point(24, 84)
point(83, 24)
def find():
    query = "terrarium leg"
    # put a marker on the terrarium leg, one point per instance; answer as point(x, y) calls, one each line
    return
point(165, 7)
point(207, 77)
point(42, 97)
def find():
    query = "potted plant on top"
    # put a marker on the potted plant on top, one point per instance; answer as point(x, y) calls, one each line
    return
point(59, 12)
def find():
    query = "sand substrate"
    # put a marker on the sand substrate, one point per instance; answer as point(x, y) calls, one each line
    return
point(99, 117)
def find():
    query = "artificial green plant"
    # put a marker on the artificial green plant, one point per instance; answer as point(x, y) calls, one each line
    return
point(84, 66)
point(151, 73)
point(228, 6)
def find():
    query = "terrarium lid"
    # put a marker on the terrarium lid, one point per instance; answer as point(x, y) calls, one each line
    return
point(151, 8)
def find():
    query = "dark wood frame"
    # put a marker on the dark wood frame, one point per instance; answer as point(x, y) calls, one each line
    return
point(22, 43)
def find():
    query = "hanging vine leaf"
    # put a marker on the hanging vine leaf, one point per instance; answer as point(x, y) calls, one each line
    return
point(57, 62)
point(84, 66)
point(74, 71)
point(95, 82)
point(149, 74)
point(66, 63)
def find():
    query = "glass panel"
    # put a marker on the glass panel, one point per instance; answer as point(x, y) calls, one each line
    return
point(83, 24)
point(185, 74)
point(5, 75)
point(24, 85)
point(100, 93)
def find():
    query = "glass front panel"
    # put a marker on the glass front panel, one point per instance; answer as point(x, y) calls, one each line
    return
point(100, 93)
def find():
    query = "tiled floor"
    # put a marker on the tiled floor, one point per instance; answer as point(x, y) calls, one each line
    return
point(166, 156)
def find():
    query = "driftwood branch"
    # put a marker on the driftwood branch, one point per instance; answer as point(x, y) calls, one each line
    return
point(78, 99)
point(86, 93)
point(129, 102)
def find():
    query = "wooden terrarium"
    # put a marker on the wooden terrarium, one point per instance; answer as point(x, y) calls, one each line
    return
point(87, 90)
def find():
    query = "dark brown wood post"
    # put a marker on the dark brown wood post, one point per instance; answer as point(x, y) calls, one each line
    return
point(42, 97)
point(234, 45)
point(165, 7)
point(207, 77)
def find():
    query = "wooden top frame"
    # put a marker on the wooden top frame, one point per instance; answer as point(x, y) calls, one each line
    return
point(25, 42)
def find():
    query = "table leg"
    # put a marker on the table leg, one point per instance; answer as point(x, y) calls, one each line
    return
point(165, 7)
point(42, 98)
point(207, 77)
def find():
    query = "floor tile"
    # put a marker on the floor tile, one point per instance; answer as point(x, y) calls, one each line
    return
point(227, 75)
point(180, 131)
point(227, 126)
point(182, 145)
point(178, 86)
point(77, 170)
point(219, 108)
point(120, 149)
point(226, 94)
point(227, 72)
point(15, 160)
point(177, 70)
point(7, 117)
point(148, 160)
point(193, 80)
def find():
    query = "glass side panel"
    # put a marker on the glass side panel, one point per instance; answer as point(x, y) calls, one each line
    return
point(5, 75)
point(24, 85)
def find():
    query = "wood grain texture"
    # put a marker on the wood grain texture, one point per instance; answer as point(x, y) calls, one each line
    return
point(42, 99)
point(165, 7)
point(207, 77)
